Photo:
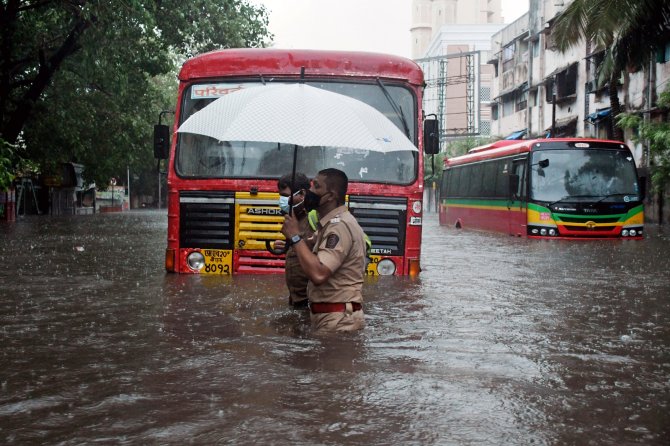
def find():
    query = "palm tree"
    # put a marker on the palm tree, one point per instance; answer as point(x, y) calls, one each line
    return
point(629, 32)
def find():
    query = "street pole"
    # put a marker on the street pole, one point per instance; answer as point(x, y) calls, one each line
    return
point(159, 184)
point(128, 180)
point(553, 114)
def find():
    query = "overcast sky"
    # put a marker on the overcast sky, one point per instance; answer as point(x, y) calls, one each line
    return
point(366, 25)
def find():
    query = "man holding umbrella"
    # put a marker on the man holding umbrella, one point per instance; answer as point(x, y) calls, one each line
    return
point(291, 201)
point(336, 265)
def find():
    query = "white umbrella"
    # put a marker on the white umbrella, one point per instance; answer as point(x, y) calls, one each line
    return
point(297, 114)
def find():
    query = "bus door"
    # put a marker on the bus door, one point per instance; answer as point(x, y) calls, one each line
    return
point(516, 204)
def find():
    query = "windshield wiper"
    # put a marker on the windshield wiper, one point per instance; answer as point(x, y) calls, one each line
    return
point(572, 196)
point(396, 108)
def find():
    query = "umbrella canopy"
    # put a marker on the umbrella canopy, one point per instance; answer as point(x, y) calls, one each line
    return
point(297, 114)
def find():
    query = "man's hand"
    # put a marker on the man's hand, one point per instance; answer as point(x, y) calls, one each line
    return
point(290, 227)
point(279, 244)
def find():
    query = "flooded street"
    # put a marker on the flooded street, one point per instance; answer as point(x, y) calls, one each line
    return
point(499, 341)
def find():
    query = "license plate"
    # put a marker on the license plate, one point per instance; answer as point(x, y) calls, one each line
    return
point(217, 261)
point(371, 269)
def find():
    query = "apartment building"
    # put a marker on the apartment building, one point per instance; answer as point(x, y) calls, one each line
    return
point(451, 40)
point(538, 91)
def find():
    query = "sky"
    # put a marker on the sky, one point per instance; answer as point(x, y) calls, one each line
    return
point(377, 26)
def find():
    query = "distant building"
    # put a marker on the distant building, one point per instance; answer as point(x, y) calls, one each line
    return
point(451, 40)
point(429, 16)
point(537, 89)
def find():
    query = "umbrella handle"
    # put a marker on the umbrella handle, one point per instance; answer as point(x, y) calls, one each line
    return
point(274, 251)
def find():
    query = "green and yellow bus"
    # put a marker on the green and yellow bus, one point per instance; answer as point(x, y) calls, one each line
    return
point(545, 188)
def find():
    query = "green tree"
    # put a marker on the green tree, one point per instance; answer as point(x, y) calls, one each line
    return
point(657, 135)
point(6, 165)
point(86, 80)
point(629, 32)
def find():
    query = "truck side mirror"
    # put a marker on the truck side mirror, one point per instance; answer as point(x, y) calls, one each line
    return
point(431, 137)
point(161, 141)
point(513, 184)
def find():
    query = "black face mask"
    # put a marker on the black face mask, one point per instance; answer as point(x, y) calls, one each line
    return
point(312, 200)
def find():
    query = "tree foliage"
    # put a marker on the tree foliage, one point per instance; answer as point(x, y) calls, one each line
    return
point(657, 135)
point(85, 80)
point(6, 174)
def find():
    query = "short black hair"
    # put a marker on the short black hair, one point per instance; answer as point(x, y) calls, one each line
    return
point(337, 182)
point(301, 182)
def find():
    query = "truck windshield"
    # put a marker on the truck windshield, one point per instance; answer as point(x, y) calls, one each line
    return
point(204, 157)
point(583, 175)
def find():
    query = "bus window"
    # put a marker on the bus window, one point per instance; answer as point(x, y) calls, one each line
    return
point(455, 183)
point(489, 179)
point(444, 185)
point(584, 174)
point(519, 169)
point(475, 187)
point(502, 179)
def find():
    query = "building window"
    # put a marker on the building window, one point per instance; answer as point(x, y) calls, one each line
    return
point(508, 105)
point(535, 48)
point(663, 55)
point(508, 57)
point(563, 84)
point(494, 112)
point(566, 82)
point(521, 101)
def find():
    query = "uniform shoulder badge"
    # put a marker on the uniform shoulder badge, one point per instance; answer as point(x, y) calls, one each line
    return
point(335, 220)
point(332, 241)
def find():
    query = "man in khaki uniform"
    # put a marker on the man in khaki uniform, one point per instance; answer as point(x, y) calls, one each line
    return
point(336, 264)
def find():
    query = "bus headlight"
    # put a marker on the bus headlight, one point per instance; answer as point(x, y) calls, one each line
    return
point(195, 261)
point(386, 267)
point(552, 232)
point(632, 232)
point(624, 233)
point(543, 231)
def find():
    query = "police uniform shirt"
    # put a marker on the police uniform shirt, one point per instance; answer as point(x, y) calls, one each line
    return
point(340, 246)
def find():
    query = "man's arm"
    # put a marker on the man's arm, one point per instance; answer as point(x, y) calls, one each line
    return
point(317, 272)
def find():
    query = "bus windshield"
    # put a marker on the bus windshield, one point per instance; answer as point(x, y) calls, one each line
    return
point(204, 157)
point(583, 175)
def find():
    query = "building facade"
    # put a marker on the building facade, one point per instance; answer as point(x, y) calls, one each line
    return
point(451, 40)
point(539, 91)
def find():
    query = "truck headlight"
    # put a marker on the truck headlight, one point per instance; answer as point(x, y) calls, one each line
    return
point(195, 261)
point(386, 267)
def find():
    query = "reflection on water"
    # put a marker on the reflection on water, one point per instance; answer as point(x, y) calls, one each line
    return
point(499, 341)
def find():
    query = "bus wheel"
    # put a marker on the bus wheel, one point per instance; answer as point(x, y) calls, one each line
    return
point(458, 225)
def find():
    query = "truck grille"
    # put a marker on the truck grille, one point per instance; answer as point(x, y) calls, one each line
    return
point(383, 219)
point(207, 219)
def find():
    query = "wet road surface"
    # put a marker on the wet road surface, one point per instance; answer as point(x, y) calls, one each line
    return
point(499, 341)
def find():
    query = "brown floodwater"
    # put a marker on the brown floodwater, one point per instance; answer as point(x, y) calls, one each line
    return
point(499, 341)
